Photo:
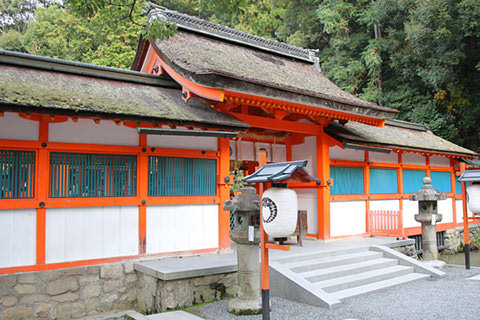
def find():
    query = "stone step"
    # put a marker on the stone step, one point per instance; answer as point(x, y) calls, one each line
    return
point(318, 255)
point(359, 279)
point(347, 269)
point(309, 265)
point(355, 291)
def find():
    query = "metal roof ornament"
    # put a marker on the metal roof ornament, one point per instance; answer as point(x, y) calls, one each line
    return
point(282, 172)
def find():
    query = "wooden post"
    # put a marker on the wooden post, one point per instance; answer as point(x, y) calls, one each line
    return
point(262, 159)
point(466, 236)
point(41, 186)
point(323, 193)
point(223, 193)
point(142, 192)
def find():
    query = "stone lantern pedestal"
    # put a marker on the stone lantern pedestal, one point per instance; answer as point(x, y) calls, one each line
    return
point(428, 216)
point(246, 208)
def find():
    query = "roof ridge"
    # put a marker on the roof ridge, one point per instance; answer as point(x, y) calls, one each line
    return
point(407, 124)
point(195, 24)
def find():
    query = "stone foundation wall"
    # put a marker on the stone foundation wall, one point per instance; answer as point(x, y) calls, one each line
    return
point(454, 241)
point(408, 250)
point(68, 293)
point(78, 292)
point(155, 295)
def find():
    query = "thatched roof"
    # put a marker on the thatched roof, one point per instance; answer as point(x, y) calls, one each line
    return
point(396, 134)
point(216, 56)
point(118, 94)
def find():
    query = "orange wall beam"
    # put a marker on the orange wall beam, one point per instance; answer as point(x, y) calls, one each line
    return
point(41, 191)
point(142, 191)
point(323, 193)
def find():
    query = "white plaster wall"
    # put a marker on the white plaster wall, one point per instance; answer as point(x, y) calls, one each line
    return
point(182, 142)
point(279, 153)
point(246, 151)
point(12, 126)
point(384, 205)
point(391, 157)
point(410, 209)
point(172, 228)
point(307, 200)
point(91, 233)
point(87, 131)
point(338, 153)
point(413, 158)
point(347, 218)
point(17, 237)
point(445, 207)
point(307, 151)
point(437, 161)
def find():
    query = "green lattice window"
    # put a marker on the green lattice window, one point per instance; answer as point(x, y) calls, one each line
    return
point(168, 176)
point(17, 174)
point(75, 175)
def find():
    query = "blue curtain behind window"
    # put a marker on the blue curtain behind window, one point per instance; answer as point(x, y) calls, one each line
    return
point(383, 180)
point(458, 186)
point(346, 180)
point(441, 181)
point(412, 180)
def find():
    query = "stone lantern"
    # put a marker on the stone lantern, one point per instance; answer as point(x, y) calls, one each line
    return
point(246, 234)
point(428, 216)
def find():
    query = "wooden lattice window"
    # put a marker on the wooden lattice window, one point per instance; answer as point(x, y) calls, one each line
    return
point(17, 174)
point(74, 175)
point(168, 176)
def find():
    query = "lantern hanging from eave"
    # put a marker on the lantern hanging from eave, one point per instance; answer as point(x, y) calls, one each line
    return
point(473, 196)
point(279, 211)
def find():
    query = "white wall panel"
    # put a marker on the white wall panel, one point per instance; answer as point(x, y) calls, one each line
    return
point(87, 131)
point(347, 218)
point(182, 142)
point(384, 205)
point(17, 237)
point(279, 152)
point(307, 200)
point(437, 161)
point(445, 207)
point(459, 204)
point(410, 209)
point(91, 233)
point(413, 158)
point(246, 151)
point(391, 157)
point(172, 228)
point(338, 153)
point(12, 126)
point(307, 151)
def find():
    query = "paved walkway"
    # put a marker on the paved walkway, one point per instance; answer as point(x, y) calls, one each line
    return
point(453, 297)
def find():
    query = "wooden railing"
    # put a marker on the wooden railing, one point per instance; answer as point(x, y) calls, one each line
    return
point(385, 223)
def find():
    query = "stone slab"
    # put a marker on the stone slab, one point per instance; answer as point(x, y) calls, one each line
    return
point(174, 315)
point(477, 277)
point(188, 267)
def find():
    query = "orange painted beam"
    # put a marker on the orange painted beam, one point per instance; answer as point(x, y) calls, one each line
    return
point(19, 144)
point(281, 125)
point(41, 191)
point(275, 246)
point(366, 189)
point(223, 192)
point(265, 271)
point(142, 192)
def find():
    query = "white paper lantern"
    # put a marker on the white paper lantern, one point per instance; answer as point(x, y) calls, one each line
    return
point(279, 211)
point(473, 193)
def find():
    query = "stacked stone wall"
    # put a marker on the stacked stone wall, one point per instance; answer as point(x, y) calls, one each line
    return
point(155, 295)
point(68, 293)
point(454, 239)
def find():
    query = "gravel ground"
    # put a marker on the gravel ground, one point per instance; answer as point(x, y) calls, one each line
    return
point(453, 297)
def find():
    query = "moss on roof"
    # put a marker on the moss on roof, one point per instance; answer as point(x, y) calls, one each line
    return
point(47, 89)
point(201, 56)
point(395, 136)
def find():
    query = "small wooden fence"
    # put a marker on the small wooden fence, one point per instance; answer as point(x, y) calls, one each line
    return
point(385, 223)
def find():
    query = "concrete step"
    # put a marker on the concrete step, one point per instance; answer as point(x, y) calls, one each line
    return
point(355, 291)
point(319, 255)
point(359, 279)
point(348, 269)
point(328, 262)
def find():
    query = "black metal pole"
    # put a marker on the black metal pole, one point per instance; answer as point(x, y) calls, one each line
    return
point(266, 304)
point(467, 256)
